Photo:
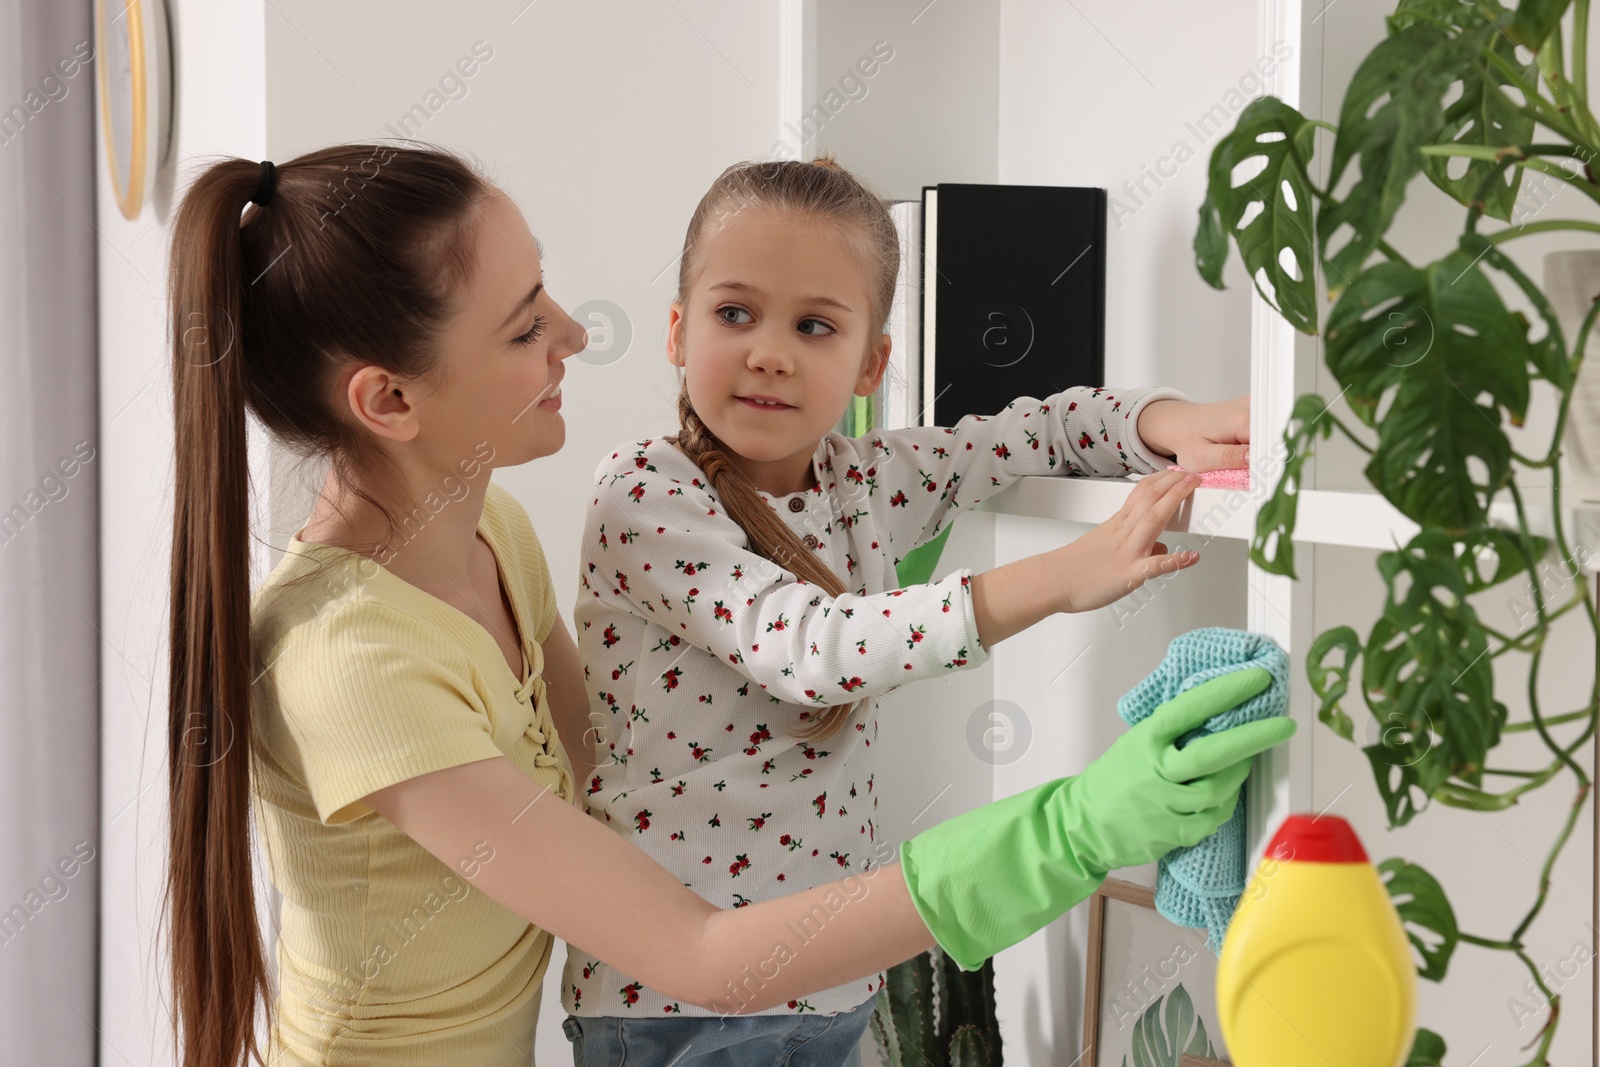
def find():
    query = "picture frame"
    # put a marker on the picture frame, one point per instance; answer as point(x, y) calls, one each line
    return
point(1138, 961)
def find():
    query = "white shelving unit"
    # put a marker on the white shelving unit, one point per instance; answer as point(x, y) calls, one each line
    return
point(1326, 516)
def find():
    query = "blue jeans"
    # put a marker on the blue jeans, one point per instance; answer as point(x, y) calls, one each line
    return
point(719, 1040)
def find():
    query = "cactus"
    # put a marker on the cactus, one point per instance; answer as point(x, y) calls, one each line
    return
point(931, 1013)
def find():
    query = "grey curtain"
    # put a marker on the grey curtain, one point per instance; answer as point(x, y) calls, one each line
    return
point(50, 641)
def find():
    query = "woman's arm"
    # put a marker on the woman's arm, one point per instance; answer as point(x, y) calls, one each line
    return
point(563, 871)
point(569, 699)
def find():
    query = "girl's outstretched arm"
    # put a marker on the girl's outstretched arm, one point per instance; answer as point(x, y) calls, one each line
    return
point(658, 547)
point(563, 871)
point(929, 474)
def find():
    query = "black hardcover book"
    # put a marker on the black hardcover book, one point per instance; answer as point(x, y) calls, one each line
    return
point(1013, 295)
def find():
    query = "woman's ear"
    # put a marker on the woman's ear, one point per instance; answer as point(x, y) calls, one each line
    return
point(675, 333)
point(382, 404)
point(873, 367)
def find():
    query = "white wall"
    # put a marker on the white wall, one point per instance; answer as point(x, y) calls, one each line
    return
point(931, 113)
point(219, 108)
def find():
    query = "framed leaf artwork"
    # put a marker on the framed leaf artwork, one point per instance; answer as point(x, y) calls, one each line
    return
point(1150, 988)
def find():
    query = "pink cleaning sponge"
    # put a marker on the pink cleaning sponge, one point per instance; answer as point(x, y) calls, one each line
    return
point(1232, 478)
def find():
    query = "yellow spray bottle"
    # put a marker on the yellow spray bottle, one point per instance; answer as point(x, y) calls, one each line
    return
point(1315, 969)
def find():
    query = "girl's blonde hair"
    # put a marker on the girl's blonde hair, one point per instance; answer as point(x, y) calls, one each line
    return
point(821, 192)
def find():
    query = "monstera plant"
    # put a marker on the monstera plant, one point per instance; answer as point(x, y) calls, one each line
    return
point(1434, 367)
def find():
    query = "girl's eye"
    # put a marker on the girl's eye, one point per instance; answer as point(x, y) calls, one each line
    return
point(533, 334)
point(817, 323)
point(724, 312)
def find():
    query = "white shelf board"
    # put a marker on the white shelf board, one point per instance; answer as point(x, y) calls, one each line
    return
point(1216, 512)
point(1325, 517)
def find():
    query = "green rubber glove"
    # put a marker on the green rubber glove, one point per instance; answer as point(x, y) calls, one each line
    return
point(984, 880)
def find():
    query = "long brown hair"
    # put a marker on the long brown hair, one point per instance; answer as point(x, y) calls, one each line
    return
point(826, 193)
point(357, 254)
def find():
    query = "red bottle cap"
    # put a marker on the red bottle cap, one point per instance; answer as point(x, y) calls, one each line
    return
point(1316, 839)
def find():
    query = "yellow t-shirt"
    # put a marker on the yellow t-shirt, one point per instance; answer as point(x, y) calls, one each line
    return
point(387, 955)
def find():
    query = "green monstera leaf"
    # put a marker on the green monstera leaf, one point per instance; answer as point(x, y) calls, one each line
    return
point(1456, 362)
point(1428, 677)
point(1536, 20)
point(1424, 911)
point(1427, 1050)
point(1393, 107)
point(1548, 354)
point(1484, 115)
point(1331, 682)
point(1164, 1035)
point(1274, 140)
point(1273, 547)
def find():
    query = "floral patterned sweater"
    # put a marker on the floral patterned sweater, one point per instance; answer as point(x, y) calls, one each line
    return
point(703, 657)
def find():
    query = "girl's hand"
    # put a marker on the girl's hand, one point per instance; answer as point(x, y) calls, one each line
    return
point(1199, 437)
point(1122, 553)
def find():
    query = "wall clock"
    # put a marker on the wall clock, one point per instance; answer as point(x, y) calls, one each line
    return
point(135, 78)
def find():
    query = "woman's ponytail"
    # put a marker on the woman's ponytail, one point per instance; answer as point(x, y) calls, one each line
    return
point(218, 962)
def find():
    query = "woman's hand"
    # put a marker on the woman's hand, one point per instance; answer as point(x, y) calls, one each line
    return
point(1122, 553)
point(1199, 437)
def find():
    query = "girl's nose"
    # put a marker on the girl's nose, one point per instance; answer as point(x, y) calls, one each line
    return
point(770, 356)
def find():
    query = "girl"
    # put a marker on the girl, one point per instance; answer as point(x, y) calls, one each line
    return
point(392, 700)
point(739, 612)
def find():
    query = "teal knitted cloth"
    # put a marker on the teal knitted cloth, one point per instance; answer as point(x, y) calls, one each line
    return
point(1200, 884)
